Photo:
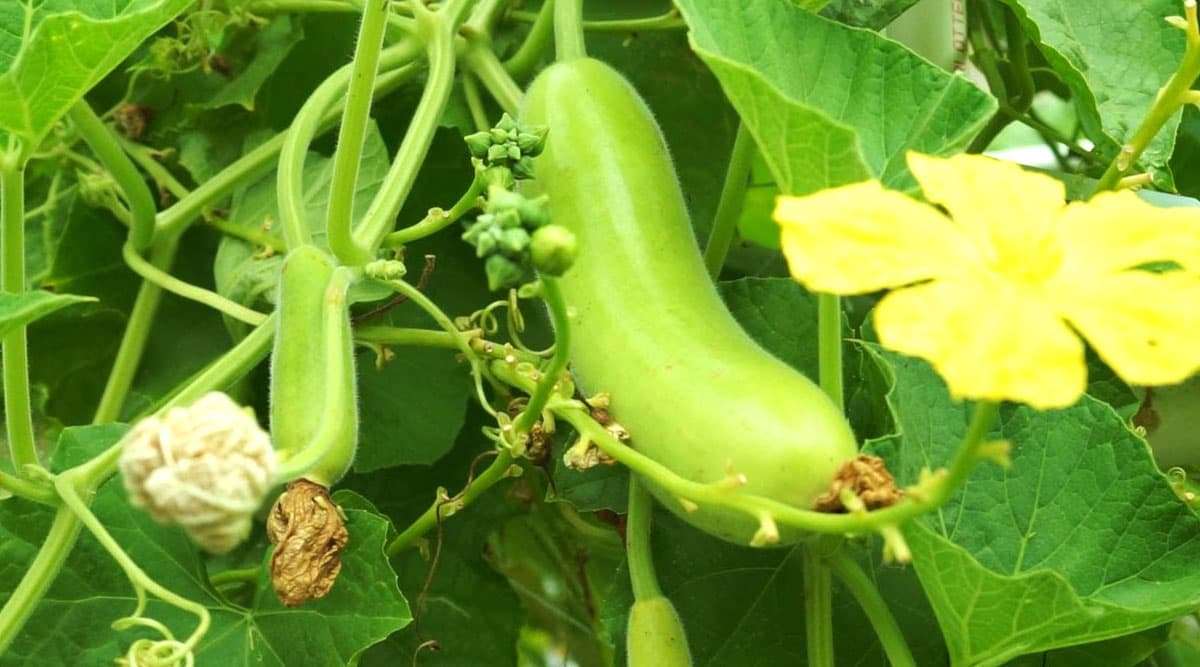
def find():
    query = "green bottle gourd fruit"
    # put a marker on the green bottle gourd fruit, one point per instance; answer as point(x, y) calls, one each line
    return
point(313, 389)
point(654, 635)
point(696, 393)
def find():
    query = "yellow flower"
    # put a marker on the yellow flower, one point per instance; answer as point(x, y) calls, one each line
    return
point(997, 295)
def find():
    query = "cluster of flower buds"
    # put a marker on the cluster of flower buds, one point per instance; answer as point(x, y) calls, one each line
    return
point(515, 237)
point(508, 145)
point(207, 467)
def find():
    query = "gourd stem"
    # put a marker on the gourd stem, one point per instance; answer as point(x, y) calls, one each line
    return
point(383, 335)
point(137, 334)
point(496, 471)
point(733, 194)
point(438, 219)
point(829, 346)
point(105, 145)
point(18, 411)
point(818, 608)
point(866, 593)
point(353, 131)
point(525, 60)
point(544, 388)
point(639, 555)
point(568, 30)
point(152, 273)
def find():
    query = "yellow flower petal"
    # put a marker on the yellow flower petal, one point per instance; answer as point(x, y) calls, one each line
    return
point(987, 341)
point(861, 238)
point(1145, 326)
point(1118, 230)
point(1007, 211)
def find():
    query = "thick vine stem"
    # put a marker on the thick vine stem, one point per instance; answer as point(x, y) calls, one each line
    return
point(104, 143)
point(818, 609)
point(304, 128)
point(568, 30)
point(1171, 97)
point(18, 411)
point(19, 606)
point(522, 63)
point(353, 131)
point(27, 489)
point(484, 63)
point(438, 30)
point(733, 194)
point(928, 495)
point(500, 468)
point(137, 334)
point(866, 593)
point(639, 555)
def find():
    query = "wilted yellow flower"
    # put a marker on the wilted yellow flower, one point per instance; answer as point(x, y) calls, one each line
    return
point(997, 294)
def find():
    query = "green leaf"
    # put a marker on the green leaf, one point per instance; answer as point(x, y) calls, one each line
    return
point(1114, 55)
point(873, 14)
point(1080, 540)
point(72, 624)
point(828, 104)
point(53, 51)
point(18, 310)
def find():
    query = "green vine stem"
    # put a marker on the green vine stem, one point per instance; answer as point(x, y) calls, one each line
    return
point(479, 116)
point(639, 555)
point(27, 489)
point(551, 375)
point(289, 181)
point(484, 63)
point(818, 608)
point(1171, 97)
point(669, 20)
point(137, 333)
point(568, 30)
point(152, 273)
point(64, 531)
point(256, 236)
point(500, 468)
point(438, 219)
point(829, 346)
point(522, 64)
point(928, 495)
point(437, 29)
point(147, 158)
point(353, 131)
point(181, 214)
point(18, 411)
point(103, 142)
point(19, 606)
point(866, 593)
point(246, 575)
point(141, 582)
point(733, 195)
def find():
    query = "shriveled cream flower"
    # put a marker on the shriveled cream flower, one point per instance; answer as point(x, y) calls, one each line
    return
point(206, 467)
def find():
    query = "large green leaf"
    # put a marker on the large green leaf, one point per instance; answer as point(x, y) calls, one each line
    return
point(1080, 540)
point(18, 310)
point(867, 13)
point(53, 51)
point(72, 624)
point(1114, 55)
point(829, 104)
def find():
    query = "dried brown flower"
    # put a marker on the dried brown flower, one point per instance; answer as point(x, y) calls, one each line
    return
point(868, 478)
point(309, 533)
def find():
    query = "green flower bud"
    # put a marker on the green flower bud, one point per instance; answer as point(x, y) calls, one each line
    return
point(553, 249)
point(534, 212)
point(514, 241)
point(497, 154)
point(503, 272)
point(506, 124)
point(478, 144)
point(522, 169)
point(501, 199)
point(514, 153)
point(531, 140)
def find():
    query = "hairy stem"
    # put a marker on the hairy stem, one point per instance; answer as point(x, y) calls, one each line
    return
point(639, 555)
point(18, 411)
point(733, 194)
point(353, 132)
point(440, 509)
point(818, 609)
point(438, 219)
point(189, 291)
point(568, 30)
point(104, 143)
point(406, 337)
point(137, 333)
point(866, 593)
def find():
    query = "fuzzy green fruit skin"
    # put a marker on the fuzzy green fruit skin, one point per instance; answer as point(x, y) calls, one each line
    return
point(313, 333)
point(696, 393)
point(654, 636)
